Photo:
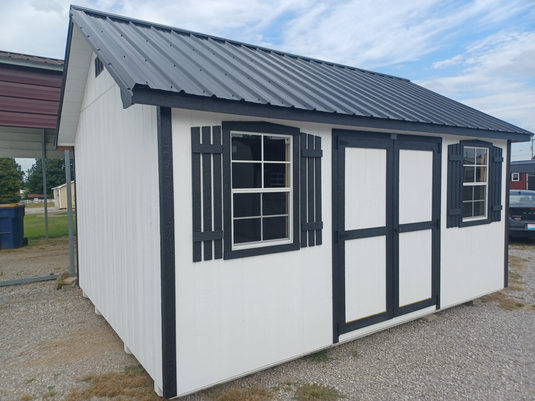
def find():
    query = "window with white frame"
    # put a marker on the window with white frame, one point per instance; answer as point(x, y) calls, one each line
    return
point(515, 177)
point(261, 189)
point(475, 182)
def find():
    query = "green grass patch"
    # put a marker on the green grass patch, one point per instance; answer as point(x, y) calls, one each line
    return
point(34, 225)
point(39, 205)
point(317, 392)
point(319, 357)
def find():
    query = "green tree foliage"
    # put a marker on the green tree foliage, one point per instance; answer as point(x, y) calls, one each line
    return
point(10, 181)
point(55, 176)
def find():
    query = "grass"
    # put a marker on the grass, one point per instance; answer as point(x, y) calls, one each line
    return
point(34, 225)
point(39, 205)
point(317, 392)
point(236, 394)
point(506, 298)
point(134, 383)
point(319, 357)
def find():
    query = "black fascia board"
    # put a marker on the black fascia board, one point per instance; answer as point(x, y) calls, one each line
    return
point(145, 95)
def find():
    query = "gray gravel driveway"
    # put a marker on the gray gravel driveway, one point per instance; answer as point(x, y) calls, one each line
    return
point(480, 352)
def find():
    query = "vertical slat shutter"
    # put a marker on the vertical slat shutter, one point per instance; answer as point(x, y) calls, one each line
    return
point(455, 184)
point(311, 220)
point(495, 184)
point(207, 199)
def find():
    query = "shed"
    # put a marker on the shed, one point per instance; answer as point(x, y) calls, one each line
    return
point(522, 174)
point(300, 203)
point(60, 196)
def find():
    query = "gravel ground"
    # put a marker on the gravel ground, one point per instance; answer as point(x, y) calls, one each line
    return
point(480, 352)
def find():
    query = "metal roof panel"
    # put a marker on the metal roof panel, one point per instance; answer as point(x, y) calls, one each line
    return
point(142, 54)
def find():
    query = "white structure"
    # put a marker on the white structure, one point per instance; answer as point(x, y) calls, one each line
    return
point(301, 203)
point(60, 196)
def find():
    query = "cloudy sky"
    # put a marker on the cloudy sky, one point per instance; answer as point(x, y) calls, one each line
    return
point(478, 52)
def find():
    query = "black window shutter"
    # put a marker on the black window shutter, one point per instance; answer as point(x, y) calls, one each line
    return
point(455, 185)
point(495, 184)
point(207, 215)
point(311, 220)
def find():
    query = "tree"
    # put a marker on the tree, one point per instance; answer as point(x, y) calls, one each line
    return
point(55, 175)
point(10, 181)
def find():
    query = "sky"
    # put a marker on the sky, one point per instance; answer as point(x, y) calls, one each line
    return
point(478, 52)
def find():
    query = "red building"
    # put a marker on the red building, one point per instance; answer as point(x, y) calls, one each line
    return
point(522, 175)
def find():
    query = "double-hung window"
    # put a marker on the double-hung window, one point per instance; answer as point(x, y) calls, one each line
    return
point(261, 187)
point(256, 190)
point(475, 182)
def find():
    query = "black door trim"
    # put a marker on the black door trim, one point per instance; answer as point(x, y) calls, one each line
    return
point(392, 143)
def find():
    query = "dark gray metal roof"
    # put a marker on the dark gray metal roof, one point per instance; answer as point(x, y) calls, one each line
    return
point(523, 166)
point(159, 61)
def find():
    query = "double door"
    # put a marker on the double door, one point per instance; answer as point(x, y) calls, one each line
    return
point(386, 217)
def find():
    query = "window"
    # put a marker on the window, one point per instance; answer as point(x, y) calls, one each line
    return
point(256, 189)
point(515, 177)
point(475, 168)
point(261, 186)
point(474, 183)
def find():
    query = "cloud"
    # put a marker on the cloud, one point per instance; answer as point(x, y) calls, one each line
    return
point(497, 76)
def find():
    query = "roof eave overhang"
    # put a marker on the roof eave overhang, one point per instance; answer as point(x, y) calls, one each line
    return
point(145, 95)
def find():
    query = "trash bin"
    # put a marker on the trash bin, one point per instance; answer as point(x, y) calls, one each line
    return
point(11, 226)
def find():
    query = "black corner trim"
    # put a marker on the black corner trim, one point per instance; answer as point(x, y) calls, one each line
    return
point(167, 251)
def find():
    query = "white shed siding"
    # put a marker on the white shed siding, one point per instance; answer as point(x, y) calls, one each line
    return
point(241, 315)
point(118, 217)
point(472, 258)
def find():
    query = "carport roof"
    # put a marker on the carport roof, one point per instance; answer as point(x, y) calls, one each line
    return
point(29, 96)
point(166, 66)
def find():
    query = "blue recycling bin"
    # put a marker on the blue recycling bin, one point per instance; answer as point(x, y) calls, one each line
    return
point(11, 226)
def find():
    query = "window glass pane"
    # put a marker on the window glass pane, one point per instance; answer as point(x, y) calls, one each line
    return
point(469, 155)
point(479, 208)
point(481, 174)
point(469, 174)
point(275, 228)
point(247, 230)
point(468, 193)
point(479, 192)
point(276, 148)
point(274, 203)
point(246, 147)
point(275, 176)
point(467, 209)
point(246, 175)
point(246, 205)
point(481, 156)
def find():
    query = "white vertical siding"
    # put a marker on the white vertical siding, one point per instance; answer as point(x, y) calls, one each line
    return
point(118, 216)
point(472, 258)
point(237, 316)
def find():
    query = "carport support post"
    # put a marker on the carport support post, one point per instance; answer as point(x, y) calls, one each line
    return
point(69, 211)
point(43, 149)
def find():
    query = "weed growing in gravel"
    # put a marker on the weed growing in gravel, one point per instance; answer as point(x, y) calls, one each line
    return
point(236, 394)
point(26, 397)
point(506, 299)
point(133, 383)
point(319, 357)
point(317, 392)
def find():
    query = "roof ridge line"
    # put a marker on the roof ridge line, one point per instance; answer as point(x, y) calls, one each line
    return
point(231, 41)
